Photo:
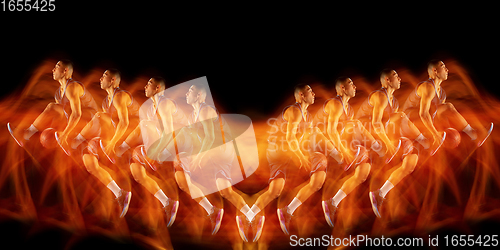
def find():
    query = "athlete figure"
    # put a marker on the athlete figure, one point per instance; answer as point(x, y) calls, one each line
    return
point(119, 109)
point(381, 107)
point(166, 111)
point(428, 100)
point(203, 156)
point(341, 126)
point(73, 104)
point(287, 149)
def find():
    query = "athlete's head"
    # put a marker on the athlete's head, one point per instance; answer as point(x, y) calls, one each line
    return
point(63, 69)
point(155, 85)
point(196, 93)
point(110, 79)
point(437, 70)
point(390, 78)
point(345, 86)
point(303, 93)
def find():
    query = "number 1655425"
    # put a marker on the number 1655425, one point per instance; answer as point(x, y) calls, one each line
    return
point(28, 5)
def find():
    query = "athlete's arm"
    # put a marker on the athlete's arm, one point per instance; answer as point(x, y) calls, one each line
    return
point(334, 110)
point(426, 92)
point(120, 102)
point(294, 116)
point(73, 93)
point(379, 102)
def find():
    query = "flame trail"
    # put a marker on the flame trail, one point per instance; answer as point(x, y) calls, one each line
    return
point(449, 190)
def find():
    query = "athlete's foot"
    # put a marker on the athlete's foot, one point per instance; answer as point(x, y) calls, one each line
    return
point(124, 202)
point(243, 227)
point(376, 199)
point(329, 210)
point(216, 218)
point(257, 225)
point(171, 211)
point(483, 135)
point(17, 134)
point(284, 217)
point(436, 146)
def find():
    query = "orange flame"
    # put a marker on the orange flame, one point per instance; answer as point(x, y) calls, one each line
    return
point(448, 190)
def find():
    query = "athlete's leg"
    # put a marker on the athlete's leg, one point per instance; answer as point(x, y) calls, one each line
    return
point(170, 206)
point(274, 191)
point(319, 143)
point(139, 173)
point(53, 112)
point(407, 166)
point(226, 191)
point(447, 116)
point(122, 197)
point(92, 165)
point(330, 205)
point(186, 185)
point(100, 122)
point(400, 125)
point(315, 183)
point(357, 134)
point(360, 174)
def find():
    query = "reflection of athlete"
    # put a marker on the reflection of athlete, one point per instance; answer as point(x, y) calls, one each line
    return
point(341, 127)
point(120, 105)
point(214, 162)
point(202, 157)
point(427, 108)
point(290, 148)
point(381, 107)
point(73, 104)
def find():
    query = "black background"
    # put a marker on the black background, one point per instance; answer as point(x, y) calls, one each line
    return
point(252, 55)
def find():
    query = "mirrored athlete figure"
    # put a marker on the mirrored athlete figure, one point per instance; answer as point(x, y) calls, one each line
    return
point(290, 150)
point(74, 106)
point(119, 115)
point(204, 156)
point(349, 136)
point(427, 108)
point(381, 111)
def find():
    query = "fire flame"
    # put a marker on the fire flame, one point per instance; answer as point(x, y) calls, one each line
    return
point(453, 189)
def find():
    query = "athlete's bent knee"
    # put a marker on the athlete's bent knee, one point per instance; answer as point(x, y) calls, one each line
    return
point(364, 171)
point(181, 182)
point(411, 163)
point(275, 189)
point(226, 193)
point(89, 165)
point(138, 175)
point(316, 185)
